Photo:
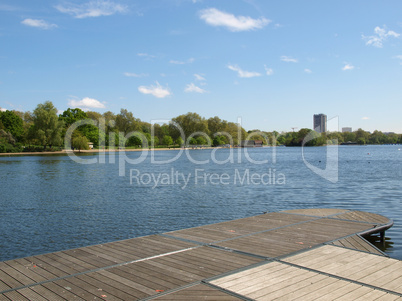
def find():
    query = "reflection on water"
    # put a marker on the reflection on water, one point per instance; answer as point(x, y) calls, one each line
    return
point(51, 203)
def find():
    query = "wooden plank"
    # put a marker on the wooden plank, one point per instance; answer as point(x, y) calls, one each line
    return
point(243, 279)
point(148, 275)
point(153, 264)
point(83, 290)
point(338, 292)
point(299, 280)
point(110, 287)
point(319, 212)
point(14, 296)
point(357, 293)
point(46, 293)
point(61, 291)
point(31, 295)
point(373, 296)
point(198, 292)
point(320, 284)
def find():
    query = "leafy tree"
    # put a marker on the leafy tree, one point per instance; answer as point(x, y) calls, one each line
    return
point(193, 141)
point(12, 123)
point(349, 137)
point(201, 140)
point(215, 125)
point(236, 132)
point(126, 123)
point(134, 140)
point(218, 141)
point(70, 116)
point(80, 142)
point(361, 141)
point(94, 115)
point(46, 126)
point(362, 134)
point(92, 133)
point(179, 141)
point(190, 123)
point(167, 140)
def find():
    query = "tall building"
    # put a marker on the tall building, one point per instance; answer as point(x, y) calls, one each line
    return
point(320, 123)
point(347, 130)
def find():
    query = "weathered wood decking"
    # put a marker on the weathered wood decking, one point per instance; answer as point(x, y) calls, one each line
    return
point(299, 254)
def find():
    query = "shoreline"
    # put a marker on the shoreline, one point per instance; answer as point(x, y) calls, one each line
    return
point(66, 152)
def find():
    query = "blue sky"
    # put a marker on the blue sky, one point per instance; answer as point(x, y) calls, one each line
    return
point(272, 63)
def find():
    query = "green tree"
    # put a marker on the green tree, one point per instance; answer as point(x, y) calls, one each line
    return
point(80, 142)
point(126, 122)
point(13, 124)
point(167, 140)
point(218, 141)
point(363, 135)
point(46, 126)
point(216, 125)
point(190, 123)
point(134, 140)
point(179, 141)
point(201, 140)
point(70, 116)
point(94, 115)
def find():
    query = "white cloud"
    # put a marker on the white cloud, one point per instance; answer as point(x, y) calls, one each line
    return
point(157, 91)
point(399, 57)
point(144, 54)
point(189, 61)
point(348, 67)
point(6, 7)
point(129, 74)
point(242, 73)
point(199, 77)
point(308, 71)
point(193, 88)
point(288, 59)
point(3, 109)
point(268, 71)
point(94, 8)
point(365, 118)
point(42, 24)
point(380, 36)
point(215, 17)
point(86, 103)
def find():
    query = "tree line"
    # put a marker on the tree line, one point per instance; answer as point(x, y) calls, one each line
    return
point(45, 129)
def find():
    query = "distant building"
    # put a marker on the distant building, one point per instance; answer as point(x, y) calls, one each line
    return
point(320, 123)
point(347, 130)
point(251, 143)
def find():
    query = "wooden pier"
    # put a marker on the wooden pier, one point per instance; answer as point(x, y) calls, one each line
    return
point(310, 254)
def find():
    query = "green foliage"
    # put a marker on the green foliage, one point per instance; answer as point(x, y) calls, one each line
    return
point(47, 127)
point(167, 140)
point(179, 141)
point(126, 123)
point(8, 144)
point(190, 123)
point(12, 123)
point(193, 141)
point(201, 140)
point(43, 126)
point(80, 142)
point(70, 116)
point(135, 140)
point(218, 140)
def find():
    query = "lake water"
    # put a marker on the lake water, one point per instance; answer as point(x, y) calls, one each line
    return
point(52, 203)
